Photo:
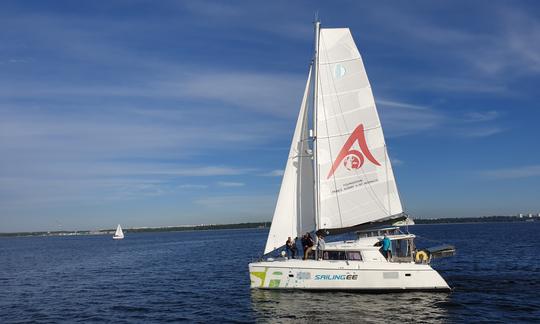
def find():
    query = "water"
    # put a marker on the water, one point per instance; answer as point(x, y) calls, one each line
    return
point(203, 277)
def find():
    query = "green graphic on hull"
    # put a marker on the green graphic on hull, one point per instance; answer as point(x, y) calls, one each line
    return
point(274, 283)
point(259, 276)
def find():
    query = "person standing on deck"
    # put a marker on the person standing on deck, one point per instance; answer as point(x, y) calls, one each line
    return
point(320, 246)
point(307, 244)
point(387, 247)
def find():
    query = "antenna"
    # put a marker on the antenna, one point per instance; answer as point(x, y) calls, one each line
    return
point(316, 17)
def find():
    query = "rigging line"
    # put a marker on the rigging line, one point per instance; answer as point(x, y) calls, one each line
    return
point(386, 158)
point(315, 143)
point(298, 202)
point(327, 132)
point(371, 192)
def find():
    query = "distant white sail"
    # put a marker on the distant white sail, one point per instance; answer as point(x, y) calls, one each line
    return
point(294, 213)
point(119, 234)
point(355, 178)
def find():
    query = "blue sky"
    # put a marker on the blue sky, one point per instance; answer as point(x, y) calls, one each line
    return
point(152, 113)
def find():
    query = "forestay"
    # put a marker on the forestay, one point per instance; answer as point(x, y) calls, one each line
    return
point(294, 209)
point(355, 178)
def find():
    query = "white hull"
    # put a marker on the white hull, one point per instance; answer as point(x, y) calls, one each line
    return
point(118, 237)
point(344, 275)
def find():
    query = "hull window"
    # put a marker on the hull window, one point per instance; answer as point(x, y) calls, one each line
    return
point(342, 255)
point(354, 255)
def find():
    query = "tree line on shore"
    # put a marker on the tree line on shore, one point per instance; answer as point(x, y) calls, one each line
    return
point(262, 225)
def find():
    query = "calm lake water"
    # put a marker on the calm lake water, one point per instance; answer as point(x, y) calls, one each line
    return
point(203, 277)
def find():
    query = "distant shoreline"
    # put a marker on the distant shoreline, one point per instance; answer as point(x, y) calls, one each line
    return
point(469, 220)
point(262, 225)
point(142, 230)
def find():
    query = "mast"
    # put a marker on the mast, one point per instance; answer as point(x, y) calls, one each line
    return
point(315, 104)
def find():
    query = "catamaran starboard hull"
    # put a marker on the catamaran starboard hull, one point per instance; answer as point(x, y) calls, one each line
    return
point(343, 275)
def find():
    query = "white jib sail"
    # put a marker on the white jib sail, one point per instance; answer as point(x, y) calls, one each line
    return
point(355, 177)
point(294, 208)
point(118, 232)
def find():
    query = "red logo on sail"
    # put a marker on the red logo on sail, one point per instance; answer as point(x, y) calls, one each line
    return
point(353, 159)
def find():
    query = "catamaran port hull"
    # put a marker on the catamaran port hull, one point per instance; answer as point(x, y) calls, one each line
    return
point(345, 275)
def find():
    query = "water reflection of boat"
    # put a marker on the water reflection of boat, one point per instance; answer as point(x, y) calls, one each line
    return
point(345, 307)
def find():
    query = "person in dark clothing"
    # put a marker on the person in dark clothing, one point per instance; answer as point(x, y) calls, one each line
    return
point(290, 245)
point(307, 244)
point(304, 243)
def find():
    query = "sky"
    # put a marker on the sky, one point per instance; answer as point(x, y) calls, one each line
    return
point(163, 113)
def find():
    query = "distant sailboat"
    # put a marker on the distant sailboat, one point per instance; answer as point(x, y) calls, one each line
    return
point(119, 234)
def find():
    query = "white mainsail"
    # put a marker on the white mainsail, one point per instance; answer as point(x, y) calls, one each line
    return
point(294, 213)
point(119, 234)
point(355, 178)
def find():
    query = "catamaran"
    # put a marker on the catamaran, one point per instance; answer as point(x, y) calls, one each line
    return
point(339, 179)
point(119, 234)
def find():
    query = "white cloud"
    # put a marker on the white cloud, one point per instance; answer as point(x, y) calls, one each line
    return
point(203, 171)
point(481, 116)
point(399, 104)
point(512, 173)
point(396, 162)
point(457, 84)
point(192, 186)
point(275, 94)
point(514, 50)
point(230, 184)
point(480, 131)
point(401, 118)
point(274, 173)
point(240, 202)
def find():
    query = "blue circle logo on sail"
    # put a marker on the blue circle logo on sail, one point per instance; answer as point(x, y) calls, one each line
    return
point(339, 71)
